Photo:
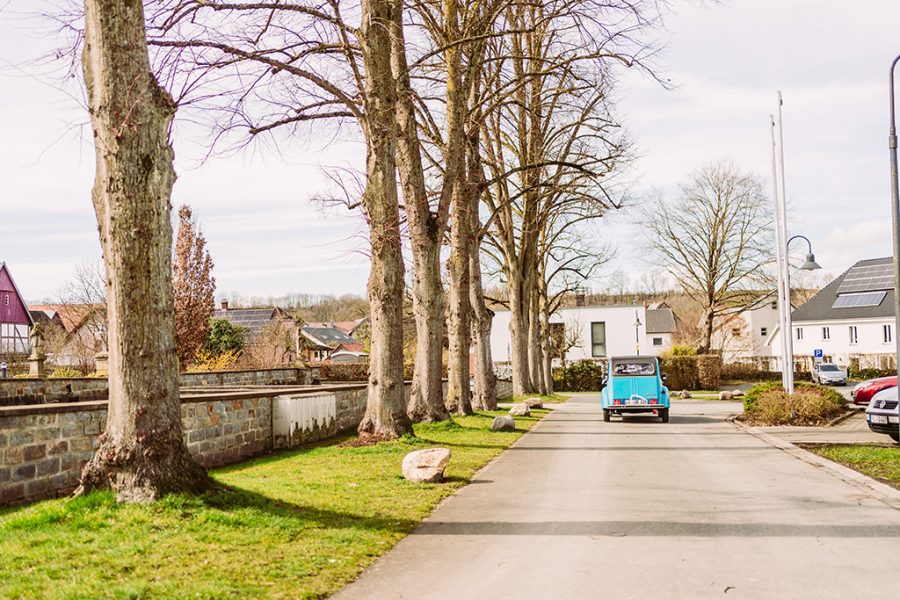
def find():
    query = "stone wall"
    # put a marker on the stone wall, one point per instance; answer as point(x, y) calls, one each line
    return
point(17, 392)
point(44, 447)
point(504, 389)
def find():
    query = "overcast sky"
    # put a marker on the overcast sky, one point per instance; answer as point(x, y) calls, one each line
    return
point(268, 236)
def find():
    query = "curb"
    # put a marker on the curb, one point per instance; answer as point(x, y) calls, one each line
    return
point(871, 487)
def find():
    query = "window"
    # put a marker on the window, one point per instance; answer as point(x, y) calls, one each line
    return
point(598, 339)
point(657, 341)
point(6, 299)
point(886, 333)
point(854, 334)
point(799, 333)
point(826, 333)
point(763, 331)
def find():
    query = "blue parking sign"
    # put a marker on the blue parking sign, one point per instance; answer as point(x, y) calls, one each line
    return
point(818, 353)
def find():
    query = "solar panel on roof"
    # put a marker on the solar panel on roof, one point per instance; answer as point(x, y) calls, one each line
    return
point(859, 300)
point(867, 278)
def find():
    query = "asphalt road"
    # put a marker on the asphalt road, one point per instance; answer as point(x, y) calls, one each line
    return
point(696, 508)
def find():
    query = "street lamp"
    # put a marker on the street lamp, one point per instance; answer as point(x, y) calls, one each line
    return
point(810, 264)
point(637, 333)
point(895, 213)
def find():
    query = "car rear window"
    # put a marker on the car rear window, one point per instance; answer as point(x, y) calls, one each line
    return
point(828, 368)
point(632, 368)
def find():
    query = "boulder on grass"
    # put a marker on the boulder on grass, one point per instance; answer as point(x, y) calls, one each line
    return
point(684, 395)
point(503, 423)
point(426, 466)
point(726, 395)
point(534, 403)
point(737, 394)
point(520, 410)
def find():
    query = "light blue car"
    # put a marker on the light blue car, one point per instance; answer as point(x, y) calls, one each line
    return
point(633, 385)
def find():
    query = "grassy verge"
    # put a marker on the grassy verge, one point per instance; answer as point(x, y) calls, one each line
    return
point(300, 524)
point(879, 462)
point(546, 398)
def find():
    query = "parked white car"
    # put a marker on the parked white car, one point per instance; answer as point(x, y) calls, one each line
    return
point(828, 374)
point(883, 413)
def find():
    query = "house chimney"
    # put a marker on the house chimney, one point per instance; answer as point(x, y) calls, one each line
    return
point(579, 298)
point(224, 304)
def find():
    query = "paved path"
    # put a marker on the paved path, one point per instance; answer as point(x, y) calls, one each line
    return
point(693, 509)
point(854, 430)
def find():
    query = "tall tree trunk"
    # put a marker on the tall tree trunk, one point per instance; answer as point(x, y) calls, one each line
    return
point(518, 333)
point(426, 231)
point(142, 454)
point(386, 406)
point(485, 397)
point(458, 393)
point(535, 351)
point(546, 346)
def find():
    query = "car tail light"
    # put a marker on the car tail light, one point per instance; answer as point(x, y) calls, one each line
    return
point(617, 402)
point(654, 401)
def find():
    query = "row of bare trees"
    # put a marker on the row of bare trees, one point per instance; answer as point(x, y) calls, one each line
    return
point(486, 124)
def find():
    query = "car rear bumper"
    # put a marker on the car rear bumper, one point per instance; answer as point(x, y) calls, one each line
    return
point(886, 428)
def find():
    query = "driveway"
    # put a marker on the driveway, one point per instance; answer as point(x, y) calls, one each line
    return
point(696, 508)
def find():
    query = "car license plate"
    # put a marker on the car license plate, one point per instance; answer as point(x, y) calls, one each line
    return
point(635, 401)
point(878, 419)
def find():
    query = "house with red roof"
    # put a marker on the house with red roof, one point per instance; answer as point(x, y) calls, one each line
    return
point(15, 319)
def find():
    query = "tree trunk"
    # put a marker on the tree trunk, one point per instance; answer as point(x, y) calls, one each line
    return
point(546, 348)
point(485, 397)
point(535, 351)
point(142, 454)
point(707, 333)
point(459, 332)
point(426, 231)
point(385, 415)
point(518, 333)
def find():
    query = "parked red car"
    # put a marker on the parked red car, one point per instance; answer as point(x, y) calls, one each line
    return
point(864, 391)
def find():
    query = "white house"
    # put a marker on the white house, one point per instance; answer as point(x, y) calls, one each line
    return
point(851, 319)
point(745, 332)
point(600, 331)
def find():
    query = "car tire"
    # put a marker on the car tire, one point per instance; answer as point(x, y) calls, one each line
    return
point(895, 436)
point(664, 415)
point(606, 416)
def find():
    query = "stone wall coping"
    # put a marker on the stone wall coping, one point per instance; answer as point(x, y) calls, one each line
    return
point(198, 373)
point(270, 392)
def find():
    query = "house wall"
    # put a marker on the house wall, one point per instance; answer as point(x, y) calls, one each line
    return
point(620, 331)
point(750, 341)
point(870, 350)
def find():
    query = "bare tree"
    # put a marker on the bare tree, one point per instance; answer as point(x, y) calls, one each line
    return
point(194, 287)
point(142, 454)
point(715, 239)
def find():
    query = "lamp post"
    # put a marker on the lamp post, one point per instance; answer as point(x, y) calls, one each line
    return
point(637, 333)
point(810, 264)
point(895, 213)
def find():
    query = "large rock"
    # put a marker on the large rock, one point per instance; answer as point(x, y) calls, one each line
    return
point(426, 466)
point(520, 410)
point(534, 403)
point(503, 423)
point(684, 395)
point(737, 393)
point(726, 395)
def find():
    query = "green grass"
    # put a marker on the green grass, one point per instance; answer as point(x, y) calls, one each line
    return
point(879, 462)
point(299, 524)
point(546, 398)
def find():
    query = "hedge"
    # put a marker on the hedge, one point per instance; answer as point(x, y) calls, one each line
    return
point(733, 372)
point(579, 376)
point(863, 374)
point(753, 394)
point(682, 373)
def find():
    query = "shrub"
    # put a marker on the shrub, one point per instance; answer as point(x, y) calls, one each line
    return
point(65, 373)
point(681, 371)
point(580, 376)
point(811, 404)
point(709, 371)
point(342, 371)
point(207, 361)
point(863, 374)
point(681, 350)
point(223, 336)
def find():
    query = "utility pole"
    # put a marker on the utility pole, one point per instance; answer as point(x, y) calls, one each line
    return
point(788, 369)
point(780, 249)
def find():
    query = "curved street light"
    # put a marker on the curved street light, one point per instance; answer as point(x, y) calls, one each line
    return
point(895, 211)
